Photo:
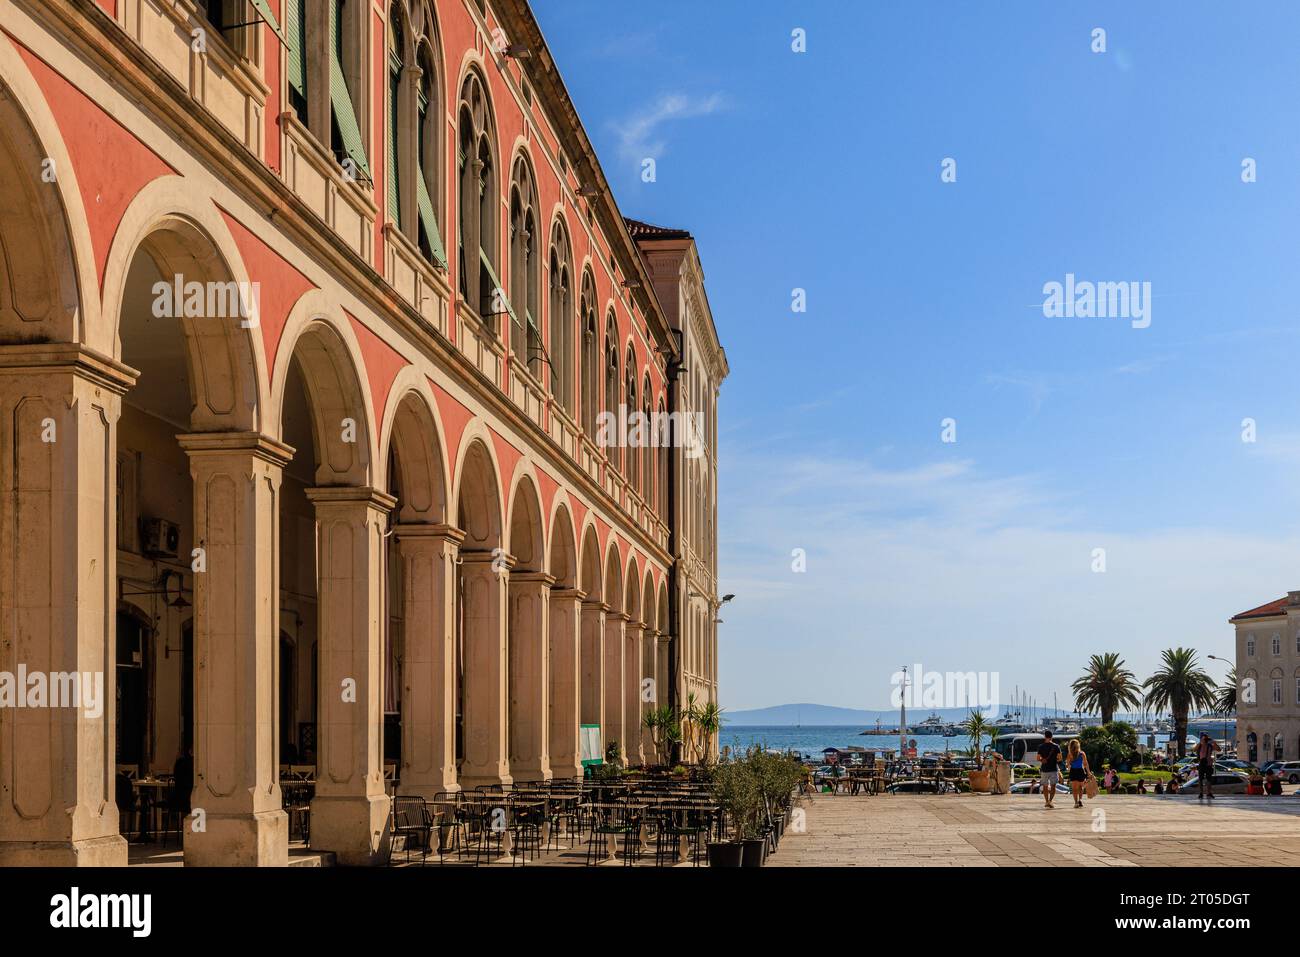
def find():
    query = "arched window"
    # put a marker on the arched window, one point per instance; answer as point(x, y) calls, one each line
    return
point(611, 383)
point(647, 445)
point(631, 452)
point(590, 355)
point(428, 152)
point(1252, 747)
point(525, 337)
point(348, 26)
point(665, 450)
point(561, 318)
point(393, 131)
point(476, 236)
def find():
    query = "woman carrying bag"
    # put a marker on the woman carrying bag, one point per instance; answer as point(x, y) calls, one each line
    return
point(1077, 761)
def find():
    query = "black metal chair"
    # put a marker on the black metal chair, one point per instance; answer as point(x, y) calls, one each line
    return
point(411, 820)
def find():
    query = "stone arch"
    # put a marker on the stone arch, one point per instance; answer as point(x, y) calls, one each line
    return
point(188, 244)
point(613, 576)
point(649, 612)
point(561, 562)
point(526, 543)
point(329, 359)
point(477, 494)
point(632, 591)
point(589, 575)
point(48, 283)
point(412, 438)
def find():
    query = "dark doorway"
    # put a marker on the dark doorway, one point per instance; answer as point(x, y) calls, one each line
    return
point(288, 682)
point(187, 687)
point(132, 690)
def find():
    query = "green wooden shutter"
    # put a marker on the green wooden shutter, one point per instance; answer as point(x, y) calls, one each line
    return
point(341, 100)
point(394, 89)
point(264, 11)
point(428, 221)
point(295, 23)
point(496, 284)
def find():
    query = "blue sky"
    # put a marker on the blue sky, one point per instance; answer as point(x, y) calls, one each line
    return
point(821, 171)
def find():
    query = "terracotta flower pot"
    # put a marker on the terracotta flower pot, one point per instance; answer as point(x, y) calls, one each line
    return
point(979, 781)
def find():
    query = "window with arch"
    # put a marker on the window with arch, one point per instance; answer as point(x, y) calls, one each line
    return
point(665, 451)
point(630, 453)
point(347, 71)
point(561, 317)
point(477, 221)
point(525, 264)
point(611, 382)
point(392, 129)
point(647, 444)
point(1277, 689)
point(1297, 686)
point(590, 354)
point(1268, 743)
point(1277, 747)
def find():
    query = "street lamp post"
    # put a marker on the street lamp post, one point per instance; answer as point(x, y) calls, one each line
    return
point(1225, 714)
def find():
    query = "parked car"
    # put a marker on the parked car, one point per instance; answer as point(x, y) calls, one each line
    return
point(1223, 782)
point(1026, 787)
point(920, 787)
point(1245, 767)
point(1288, 771)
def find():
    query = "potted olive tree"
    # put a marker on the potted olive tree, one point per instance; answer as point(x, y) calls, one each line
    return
point(737, 792)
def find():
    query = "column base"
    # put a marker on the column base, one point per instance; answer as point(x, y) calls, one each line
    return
point(107, 851)
point(258, 839)
point(566, 771)
point(354, 827)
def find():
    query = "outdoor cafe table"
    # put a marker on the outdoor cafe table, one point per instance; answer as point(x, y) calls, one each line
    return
point(630, 808)
point(150, 794)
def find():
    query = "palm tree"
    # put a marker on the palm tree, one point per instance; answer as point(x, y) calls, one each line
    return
point(710, 723)
point(1106, 685)
point(1226, 696)
point(1179, 686)
point(976, 727)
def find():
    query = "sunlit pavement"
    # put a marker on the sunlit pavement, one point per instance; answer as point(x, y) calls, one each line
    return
point(976, 830)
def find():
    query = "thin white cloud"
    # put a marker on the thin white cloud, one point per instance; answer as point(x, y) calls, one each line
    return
point(641, 134)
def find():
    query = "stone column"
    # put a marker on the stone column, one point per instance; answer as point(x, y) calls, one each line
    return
point(663, 648)
point(529, 682)
point(649, 668)
point(349, 814)
point(428, 699)
point(632, 693)
point(591, 696)
point(563, 740)
point(615, 679)
point(59, 406)
point(484, 593)
point(236, 650)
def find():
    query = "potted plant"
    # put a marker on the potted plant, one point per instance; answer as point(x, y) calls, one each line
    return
point(976, 727)
point(735, 788)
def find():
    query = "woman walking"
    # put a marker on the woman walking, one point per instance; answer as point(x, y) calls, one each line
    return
point(1077, 761)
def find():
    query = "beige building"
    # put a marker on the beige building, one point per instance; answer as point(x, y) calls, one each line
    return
point(308, 311)
point(1268, 676)
point(674, 263)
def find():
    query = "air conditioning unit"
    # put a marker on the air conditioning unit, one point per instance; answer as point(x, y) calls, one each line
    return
point(160, 538)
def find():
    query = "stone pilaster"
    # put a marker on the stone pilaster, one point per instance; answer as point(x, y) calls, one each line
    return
point(429, 555)
point(484, 582)
point(349, 814)
point(615, 680)
point(238, 820)
point(566, 623)
point(59, 407)
point(529, 681)
point(591, 694)
point(632, 693)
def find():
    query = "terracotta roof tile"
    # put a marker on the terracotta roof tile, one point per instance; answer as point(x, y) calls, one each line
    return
point(1264, 611)
point(640, 230)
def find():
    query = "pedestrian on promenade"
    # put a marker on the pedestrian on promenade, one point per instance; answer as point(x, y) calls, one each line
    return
point(1049, 754)
point(1079, 771)
point(1205, 749)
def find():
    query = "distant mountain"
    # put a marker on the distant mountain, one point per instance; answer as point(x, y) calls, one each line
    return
point(821, 714)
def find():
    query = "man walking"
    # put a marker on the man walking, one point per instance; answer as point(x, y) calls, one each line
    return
point(1205, 749)
point(1049, 753)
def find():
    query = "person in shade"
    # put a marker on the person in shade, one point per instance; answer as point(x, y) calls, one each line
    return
point(1049, 756)
point(1205, 749)
point(1077, 761)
